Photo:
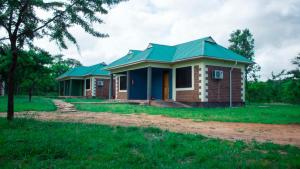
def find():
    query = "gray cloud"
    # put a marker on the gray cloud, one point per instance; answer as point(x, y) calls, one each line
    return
point(132, 25)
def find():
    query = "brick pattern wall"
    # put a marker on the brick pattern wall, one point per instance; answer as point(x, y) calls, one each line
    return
point(191, 95)
point(103, 92)
point(218, 90)
point(120, 95)
point(88, 93)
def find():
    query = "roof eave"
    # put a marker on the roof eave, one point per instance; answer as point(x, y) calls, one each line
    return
point(210, 57)
point(137, 62)
point(181, 60)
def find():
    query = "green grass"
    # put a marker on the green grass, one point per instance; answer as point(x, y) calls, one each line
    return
point(72, 100)
point(32, 144)
point(22, 104)
point(274, 114)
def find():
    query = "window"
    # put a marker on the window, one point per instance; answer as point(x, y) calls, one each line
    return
point(100, 83)
point(123, 83)
point(87, 84)
point(184, 77)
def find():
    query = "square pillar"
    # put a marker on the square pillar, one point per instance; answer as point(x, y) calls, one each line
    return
point(59, 88)
point(70, 88)
point(149, 83)
point(111, 86)
point(128, 84)
point(64, 88)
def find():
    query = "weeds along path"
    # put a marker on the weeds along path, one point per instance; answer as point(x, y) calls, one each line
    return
point(279, 134)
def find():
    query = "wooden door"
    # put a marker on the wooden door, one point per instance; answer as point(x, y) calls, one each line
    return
point(165, 85)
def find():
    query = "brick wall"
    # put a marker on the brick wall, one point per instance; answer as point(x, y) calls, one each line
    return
point(103, 92)
point(218, 90)
point(88, 93)
point(190, 95)
point(120, 95)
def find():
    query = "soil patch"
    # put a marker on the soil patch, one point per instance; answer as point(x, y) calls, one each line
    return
point(279, 134)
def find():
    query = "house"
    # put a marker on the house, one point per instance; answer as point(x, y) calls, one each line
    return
point(199, 73)
point(88, 81)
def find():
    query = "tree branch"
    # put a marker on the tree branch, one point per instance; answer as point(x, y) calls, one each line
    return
point(20, 18)
point(50, 20)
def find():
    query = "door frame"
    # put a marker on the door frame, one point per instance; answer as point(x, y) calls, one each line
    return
point(166, 80)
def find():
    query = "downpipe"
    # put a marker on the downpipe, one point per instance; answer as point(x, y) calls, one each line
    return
point(230, 84)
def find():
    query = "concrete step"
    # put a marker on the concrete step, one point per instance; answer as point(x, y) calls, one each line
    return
point(161, 103)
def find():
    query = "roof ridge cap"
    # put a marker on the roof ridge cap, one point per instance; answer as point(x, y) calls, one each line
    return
point(95, 68)
point(159, 44)
point(151, 50)
point(193, 40)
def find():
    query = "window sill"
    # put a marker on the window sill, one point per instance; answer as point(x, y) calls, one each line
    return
point(184, 89)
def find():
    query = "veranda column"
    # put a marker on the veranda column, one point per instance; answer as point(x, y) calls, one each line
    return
point(64, 87)
point(59, 88)
point(70, 89)
point(149, 83)
point(111, 86)
point(128, 84)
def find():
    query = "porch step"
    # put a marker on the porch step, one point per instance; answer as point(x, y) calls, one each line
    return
point(161, 103)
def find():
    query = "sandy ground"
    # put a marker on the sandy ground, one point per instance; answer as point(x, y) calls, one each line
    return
point(280, 134)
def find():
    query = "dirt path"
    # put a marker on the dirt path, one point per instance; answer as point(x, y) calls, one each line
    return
point(64, 107)
point(280, 134)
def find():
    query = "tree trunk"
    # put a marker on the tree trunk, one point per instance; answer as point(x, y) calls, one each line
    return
point(11, 74)
point(30, 94)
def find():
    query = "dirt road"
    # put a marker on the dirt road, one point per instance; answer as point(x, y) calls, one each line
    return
point(279, 134)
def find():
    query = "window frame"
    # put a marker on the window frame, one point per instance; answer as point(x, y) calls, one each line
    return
point(119, 83)
point(89, 83)
point(192, 80)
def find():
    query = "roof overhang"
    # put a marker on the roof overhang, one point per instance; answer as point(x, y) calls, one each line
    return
point(177, 61)
point(82, 77)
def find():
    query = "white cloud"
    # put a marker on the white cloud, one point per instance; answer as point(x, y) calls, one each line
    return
point(133, 24)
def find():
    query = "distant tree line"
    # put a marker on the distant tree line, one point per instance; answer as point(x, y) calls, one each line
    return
point(281, 87)
point(36, 71)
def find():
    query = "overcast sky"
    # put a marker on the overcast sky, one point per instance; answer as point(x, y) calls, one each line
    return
point(275, 25)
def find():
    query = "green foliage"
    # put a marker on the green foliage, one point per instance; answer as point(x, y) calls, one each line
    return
point(23, 21)
point(61, 65)
point(22, 104)
point(36, 71)
point(33, 70)
point(34, 144)
point(242, 42)
point(23, 24)
point(283, 87)
point(255, 113)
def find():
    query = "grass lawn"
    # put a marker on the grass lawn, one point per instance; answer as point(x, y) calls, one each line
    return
point(72, 100)
point(22, 104)
point(257, 113)
point(32, 144)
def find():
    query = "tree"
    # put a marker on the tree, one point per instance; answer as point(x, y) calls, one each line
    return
point(242, 42)
point(22, 22)
point(33, 70)
point(296, 72)
point(61, 65)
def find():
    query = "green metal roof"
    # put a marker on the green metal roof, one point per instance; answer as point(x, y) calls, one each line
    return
point(95, 70)
point(205, 47)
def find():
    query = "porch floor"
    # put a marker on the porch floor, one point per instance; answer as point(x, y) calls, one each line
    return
point(156, 103)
